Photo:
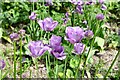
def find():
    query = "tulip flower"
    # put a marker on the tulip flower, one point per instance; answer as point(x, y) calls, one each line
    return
point(79, 48)
point(47, 24)
point(58, 52)
point(101, 1)
point(55, 41)
point(88, 34)
point(32, 16)
point(79, 9)
point(76, 2)
point(103, 7)
point(100, 16)
point(74, 34)
point(37, 48)
point(14, 36)
point(2, 64)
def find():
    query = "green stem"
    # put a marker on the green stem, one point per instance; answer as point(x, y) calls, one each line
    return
point(65, 68)
point(49, 61)
point(0, 74)
point(72, 19)
point(76, 74)
point(14, 60)
point(90, 50)
point(36, 61)
point(56, 72)
point(66, 61)
point(30, 73)
point(47, 67)
point(21, 58)
point(112, 64)
point(41, 34)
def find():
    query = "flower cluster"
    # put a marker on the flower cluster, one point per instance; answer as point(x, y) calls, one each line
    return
point(57, 49)
point(37, 48)
point(73, 34)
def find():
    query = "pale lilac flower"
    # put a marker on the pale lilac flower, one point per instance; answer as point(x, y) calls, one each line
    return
point(79, 9)
point(85, 22)
point(58, 52)
point(14, 36)
point(55, 41)
point(66, 15)
point(33, 0)
point(89, 2)
point(32, 16)
point(47, 24)
point(22, 31)
point(37, 48)
point(65, 20)
point(89, 34)
point(103, 7)
point(48, 3)
point(77, 2)
point(100, 16)
point(2, 64)
point(74, 34)
point(79, 48)
point(101, 1)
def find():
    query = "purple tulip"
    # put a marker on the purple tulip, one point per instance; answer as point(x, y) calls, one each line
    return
point(100, 16)
point(22, 31)
point(58, 52)
point(33, 0)
point(101, 1)
point(65, 20)
point(37, 48)
point(79, 48)
point(2, 64)
point(32, 16)
point(89, 2)
point(77, 2)
point(14, 36)
point(47, 24)
point(85, 22)
point(55, 41)
point(103, 7)
point(79, 9)
point(74, 34)
point(48, 3)
point(88, 34)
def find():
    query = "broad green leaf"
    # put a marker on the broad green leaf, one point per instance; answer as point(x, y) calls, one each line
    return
point(113, 44)
point(69, 74)
point(60, 74)
point(99, 75)
point(92, 52)
point(100, 41)
point(74, 62)
point(7, 38)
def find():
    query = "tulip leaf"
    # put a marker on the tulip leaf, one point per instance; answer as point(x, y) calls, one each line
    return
point(60, 74)
point(7, 39)
point(99, 75)
point(92, 52)
point(74, 62)
point(100, 41)
point(69, 74)
point(1, 31)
